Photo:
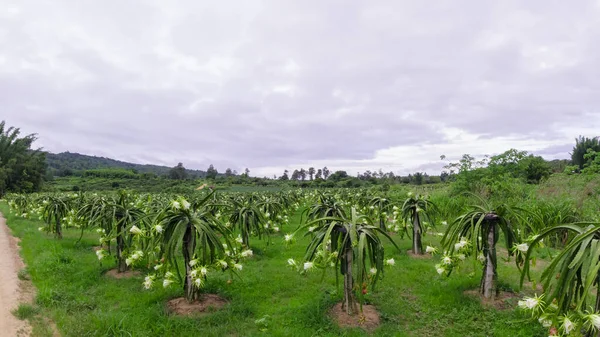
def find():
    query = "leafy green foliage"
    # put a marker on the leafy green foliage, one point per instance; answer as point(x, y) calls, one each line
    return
point(22, 168)
point(178, 172)
point(417, 214)
point(353, 246)
point(570, 277)
point(476, 233)
point(202, 240)
point(582, 145)
point(247, 217)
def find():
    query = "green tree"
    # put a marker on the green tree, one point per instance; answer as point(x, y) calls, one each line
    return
point(120, 217)
point(311, 172)
point(582, 144)
point(319, 174)
point(570, 278)
point(247, 217)
point(178, 172)
point(211, 172)
point(326, 173)
point(228, 172)
point(479, 229)
point(55, 209)
point(338, 175)
point(302, 174)
point(22, 169)
point(417, 210)
point(535, 169)
point(201, 238)
point(355, 248)
point(285, 176)
point(295, 175)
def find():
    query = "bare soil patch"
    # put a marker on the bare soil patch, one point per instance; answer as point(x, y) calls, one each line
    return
point(368, 320)
point(418, 256)
point(114, 273)
point(207, 304)
point(504, 301)
point(12, 290)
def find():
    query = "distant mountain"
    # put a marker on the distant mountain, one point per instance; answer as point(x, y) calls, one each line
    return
point(67, 163)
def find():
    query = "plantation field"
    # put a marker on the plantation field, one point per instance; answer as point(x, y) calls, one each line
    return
point(268, 299)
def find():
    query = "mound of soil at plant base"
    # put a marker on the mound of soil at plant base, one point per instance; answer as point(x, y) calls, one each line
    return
point(207, 304)
point(114, 273)
point(367, 320)
point(504, 301)
point(424, 256)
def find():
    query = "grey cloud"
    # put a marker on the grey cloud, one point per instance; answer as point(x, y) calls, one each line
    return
point(276, 83)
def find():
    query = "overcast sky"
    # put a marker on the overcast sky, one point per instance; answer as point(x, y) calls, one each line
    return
point(269, 85)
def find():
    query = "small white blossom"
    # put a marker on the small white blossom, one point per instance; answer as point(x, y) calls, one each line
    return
point(288, 237)
point(203, 271)
point(247, 253)
point(390, 262)
point(193, 262)
point(148, 281)
point(567, 325)
point(167, 283)
point(446, 260)
point(430, 250)
point(523, 247)
point(440, 269)
point(176, 205)
point(594, 321)
point(308, 265)
point(186, 205)
point(135, 230)
point(158, 228)
point(530, 303)
point(100, 253)
point(291, 262)
point(373, 271)
point(237, 266)
point(545, 322)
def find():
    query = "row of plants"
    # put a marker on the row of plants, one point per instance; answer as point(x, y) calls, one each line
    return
point(184, 239)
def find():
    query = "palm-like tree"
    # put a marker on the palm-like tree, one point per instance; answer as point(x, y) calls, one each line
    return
point(571, 276)
point(326, 206)
point(55, 209)
point(417, 210)
point(382, 206)
point(582, 144)
point(482, 226)
point(116, 216)
point(354, 245)
point(193, 229)
point(247, 217)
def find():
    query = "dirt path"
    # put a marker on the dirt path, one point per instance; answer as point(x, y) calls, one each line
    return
point(10, 288)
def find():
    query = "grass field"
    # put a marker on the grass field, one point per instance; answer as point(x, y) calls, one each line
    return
point(412, 299)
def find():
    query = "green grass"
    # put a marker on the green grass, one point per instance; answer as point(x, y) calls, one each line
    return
point(25, 311)
point(269, 300)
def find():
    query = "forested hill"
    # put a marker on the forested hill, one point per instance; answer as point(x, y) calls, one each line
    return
point(67, 163)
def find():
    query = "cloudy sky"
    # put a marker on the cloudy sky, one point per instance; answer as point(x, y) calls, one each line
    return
point(269, 85)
